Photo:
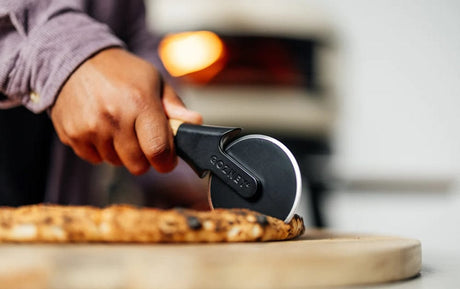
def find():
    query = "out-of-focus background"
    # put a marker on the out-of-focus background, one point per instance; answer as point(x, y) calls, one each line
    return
point(366, 94)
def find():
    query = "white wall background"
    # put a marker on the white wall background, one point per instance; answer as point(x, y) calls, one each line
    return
point(399, 95)
point(400, 91)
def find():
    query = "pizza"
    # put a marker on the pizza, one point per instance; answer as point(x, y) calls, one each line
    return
point(129, 224)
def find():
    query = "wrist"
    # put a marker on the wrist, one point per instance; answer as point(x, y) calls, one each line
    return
point(56, 49)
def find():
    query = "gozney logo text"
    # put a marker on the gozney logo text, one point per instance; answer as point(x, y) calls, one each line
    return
point(229, 173)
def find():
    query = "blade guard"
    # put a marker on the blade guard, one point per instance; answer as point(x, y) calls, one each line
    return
point(202, 147)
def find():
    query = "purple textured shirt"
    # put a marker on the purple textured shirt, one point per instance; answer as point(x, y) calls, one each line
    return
point(41, 43)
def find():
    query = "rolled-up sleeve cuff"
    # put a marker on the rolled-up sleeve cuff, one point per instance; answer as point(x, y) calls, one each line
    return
point(54, 50)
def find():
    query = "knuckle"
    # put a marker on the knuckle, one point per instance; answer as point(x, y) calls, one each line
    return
point(112, 158)
point(94, 160)
point(139, 168)
point(111, 118)
point(63, 138)
point(86, 155)
point(91, 130)
point(158, 149)
point(73, 136)
point(86, 130)
point(135, 94)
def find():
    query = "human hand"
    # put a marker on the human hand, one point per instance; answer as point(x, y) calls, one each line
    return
point(114, 108)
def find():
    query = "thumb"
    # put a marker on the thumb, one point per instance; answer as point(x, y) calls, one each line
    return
point(175, 108)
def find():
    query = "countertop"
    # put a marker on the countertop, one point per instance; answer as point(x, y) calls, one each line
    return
point(440, 269)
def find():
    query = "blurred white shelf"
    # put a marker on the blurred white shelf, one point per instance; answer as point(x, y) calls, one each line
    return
point(286, 111)
point(289, 18)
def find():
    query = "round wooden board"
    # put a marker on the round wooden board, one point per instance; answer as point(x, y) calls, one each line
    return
point(316, 259)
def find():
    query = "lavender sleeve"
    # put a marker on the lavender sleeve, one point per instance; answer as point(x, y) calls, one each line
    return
point(139, 39)
point(41, 44)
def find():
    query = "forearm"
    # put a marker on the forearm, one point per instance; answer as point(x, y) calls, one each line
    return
point(41, 44)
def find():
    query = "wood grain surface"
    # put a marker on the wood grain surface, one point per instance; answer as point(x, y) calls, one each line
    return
point(317, 259)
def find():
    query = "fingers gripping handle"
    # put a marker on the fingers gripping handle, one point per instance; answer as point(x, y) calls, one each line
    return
point(202, 147)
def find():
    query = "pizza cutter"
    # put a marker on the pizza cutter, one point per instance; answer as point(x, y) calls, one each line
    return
point(256, 172)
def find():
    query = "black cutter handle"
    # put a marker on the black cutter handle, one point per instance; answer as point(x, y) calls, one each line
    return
point(202, 147)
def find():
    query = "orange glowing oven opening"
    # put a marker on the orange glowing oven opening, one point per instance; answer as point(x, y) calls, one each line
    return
point(205, 57)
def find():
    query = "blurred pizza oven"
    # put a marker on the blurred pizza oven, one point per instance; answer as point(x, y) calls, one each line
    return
point(263, 75)
point(205, 57)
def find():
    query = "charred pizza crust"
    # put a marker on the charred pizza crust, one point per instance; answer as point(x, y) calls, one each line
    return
point(123, 223)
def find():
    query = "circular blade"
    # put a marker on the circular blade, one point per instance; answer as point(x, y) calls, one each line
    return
point(277, 171)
